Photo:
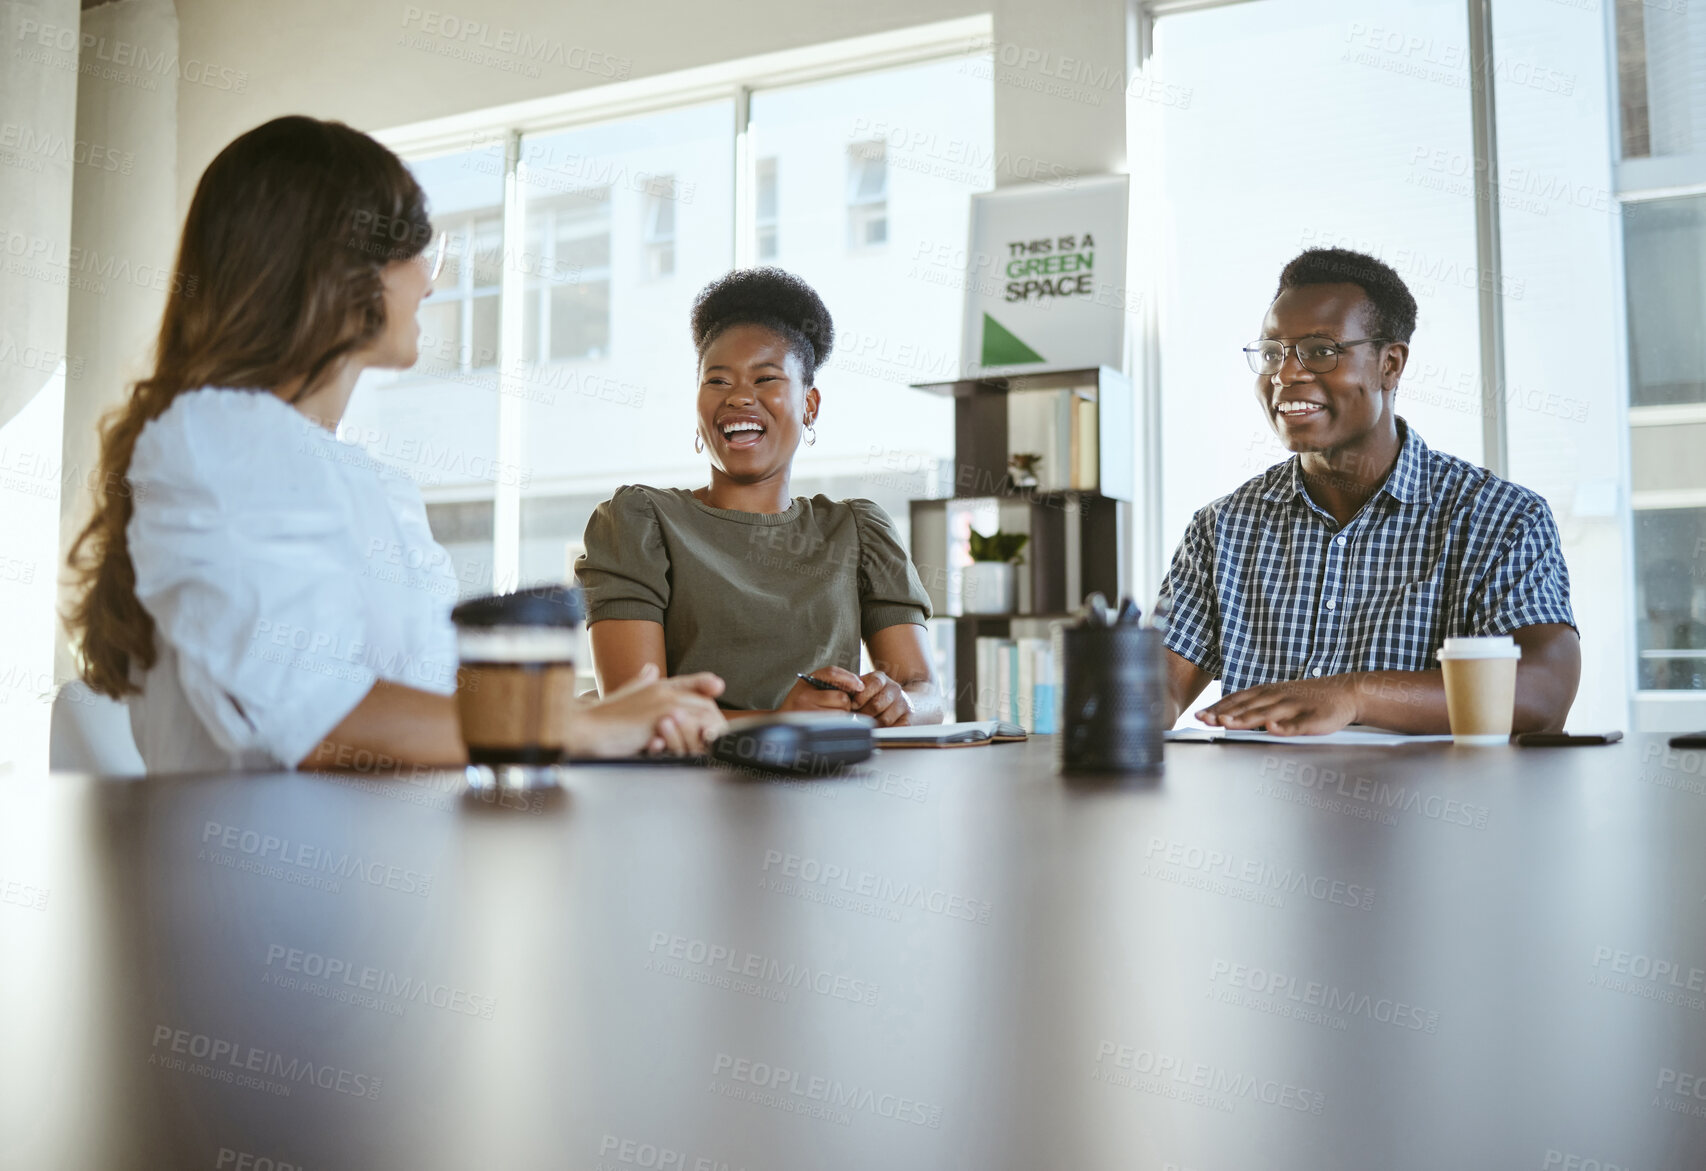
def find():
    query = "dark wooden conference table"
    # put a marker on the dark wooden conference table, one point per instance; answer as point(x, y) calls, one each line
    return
point(1270, 957)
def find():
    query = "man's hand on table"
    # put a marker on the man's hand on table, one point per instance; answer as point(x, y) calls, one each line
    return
point(1303, 707)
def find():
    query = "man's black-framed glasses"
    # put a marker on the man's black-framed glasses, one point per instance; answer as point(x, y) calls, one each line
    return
point(1317, 354)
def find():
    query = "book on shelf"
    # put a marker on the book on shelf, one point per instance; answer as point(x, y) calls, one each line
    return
point(993, 701)
point(1017, 681)
point(1045, 692)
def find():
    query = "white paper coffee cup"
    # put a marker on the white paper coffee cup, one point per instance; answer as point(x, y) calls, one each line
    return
point(1480, 688)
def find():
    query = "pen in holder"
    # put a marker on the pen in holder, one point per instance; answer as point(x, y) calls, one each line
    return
point(1113, 698)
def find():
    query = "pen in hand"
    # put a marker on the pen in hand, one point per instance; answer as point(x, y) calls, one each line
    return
point(822, 686)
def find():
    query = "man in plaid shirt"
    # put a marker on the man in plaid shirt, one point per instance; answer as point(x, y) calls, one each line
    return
point(1319, 591)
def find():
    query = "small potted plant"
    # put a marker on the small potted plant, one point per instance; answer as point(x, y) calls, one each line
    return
point(1022, 469)
point(991, 581)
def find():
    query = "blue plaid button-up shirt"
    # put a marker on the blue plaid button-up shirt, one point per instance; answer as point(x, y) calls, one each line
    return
point(1265, 586)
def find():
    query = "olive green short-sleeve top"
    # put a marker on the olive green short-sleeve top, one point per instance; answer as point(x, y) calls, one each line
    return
point(755, 597)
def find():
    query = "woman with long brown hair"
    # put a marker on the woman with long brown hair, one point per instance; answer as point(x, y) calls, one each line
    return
point(259, 592)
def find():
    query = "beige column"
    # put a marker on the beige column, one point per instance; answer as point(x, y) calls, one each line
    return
point(123, 230)
point(38, 110)
point(1060, 79)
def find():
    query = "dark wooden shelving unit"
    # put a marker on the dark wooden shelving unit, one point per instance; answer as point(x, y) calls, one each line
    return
point(1078, 519)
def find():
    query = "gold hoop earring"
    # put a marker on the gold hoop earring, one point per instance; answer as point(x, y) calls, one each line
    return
point(698, 443)
point(811, 434)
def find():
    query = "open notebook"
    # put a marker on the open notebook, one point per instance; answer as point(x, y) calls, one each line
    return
point(962, 735)
point(1357, 735)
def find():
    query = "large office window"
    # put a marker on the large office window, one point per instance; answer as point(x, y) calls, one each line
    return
point(869, 181)
point(1661, 74)
point(1251, 175)
point(1664, 247)
point(641, 214)
point(1376, 152)
point(1664, 250)
point(621, 222)
point(628, 219)
point(437, 422)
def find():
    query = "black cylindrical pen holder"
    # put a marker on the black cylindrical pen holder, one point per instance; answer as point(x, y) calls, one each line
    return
point(1113, 685)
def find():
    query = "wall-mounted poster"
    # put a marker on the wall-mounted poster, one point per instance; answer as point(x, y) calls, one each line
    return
point(1045, 280)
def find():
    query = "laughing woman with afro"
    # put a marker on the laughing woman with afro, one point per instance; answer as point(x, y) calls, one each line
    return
point(740, 577)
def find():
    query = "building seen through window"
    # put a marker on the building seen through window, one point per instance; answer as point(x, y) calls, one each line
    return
point(867, 195)
point(567, 266)
point(623, 221)
point(765, 203)
point(1661, 73)
point(660, 227)
point(459, 323)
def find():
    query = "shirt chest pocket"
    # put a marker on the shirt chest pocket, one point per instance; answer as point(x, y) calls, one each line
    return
point(1399, 628)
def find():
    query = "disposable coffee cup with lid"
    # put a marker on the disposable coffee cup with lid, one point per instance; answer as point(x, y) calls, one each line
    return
point(1490, 646)
point(1480, 688)
point(515, 686)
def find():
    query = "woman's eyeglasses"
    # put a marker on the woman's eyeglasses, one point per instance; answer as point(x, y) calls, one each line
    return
point(434, 254)
point(1317, 354)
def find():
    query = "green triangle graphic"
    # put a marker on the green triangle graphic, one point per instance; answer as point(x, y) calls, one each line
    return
point(1001, 348)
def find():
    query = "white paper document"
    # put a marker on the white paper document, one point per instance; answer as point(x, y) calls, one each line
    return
point(1359, 736)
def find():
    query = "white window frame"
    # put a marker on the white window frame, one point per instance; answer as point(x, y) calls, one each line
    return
point(738, 80)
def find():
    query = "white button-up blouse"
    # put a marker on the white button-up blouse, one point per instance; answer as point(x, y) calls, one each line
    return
point(285, 572)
